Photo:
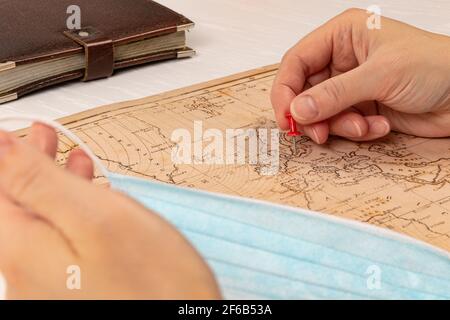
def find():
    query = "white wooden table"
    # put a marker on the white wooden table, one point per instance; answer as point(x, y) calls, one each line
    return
point(230, 36)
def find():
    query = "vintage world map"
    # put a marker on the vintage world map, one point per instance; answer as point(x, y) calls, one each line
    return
point(400, 182)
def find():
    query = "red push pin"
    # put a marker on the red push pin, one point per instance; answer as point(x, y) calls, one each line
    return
point(293, 132)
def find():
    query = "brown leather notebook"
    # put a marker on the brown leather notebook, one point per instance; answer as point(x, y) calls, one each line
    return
point(46, 42)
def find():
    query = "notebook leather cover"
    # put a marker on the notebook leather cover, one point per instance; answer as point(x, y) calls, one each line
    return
point(33, 31)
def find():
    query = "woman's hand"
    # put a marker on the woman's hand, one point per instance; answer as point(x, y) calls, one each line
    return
point(54, 222)
point(344, 79)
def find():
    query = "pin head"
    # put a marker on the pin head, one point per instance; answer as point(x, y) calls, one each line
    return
point(293, 132)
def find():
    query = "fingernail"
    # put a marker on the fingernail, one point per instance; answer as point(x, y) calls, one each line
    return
point(5, 143)
point(304, 108)
point(315, 136)
point(352, 129)
point(380, 128)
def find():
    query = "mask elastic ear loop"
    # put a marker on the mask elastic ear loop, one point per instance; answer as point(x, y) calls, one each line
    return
point(69, 134)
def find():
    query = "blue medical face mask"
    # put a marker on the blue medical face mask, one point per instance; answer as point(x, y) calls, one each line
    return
point(260, 250)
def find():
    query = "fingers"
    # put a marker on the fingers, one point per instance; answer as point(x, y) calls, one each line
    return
point(44, 138)
point(80, 164)
point(355, 127)
point(13, 220)
point(318, 132)
point(331, 45)
point(311, 55)
point(334, 95)
point(349, 125)
point(32, 180)
point(379, 126)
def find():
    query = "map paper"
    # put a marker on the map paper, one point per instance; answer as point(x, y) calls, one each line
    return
point(400, 182)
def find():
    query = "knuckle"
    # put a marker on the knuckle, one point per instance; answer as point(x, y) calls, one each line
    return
point(353, 12)
point(351, 16)
point(286, 56)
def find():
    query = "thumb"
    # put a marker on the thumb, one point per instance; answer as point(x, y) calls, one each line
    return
point(334, 95)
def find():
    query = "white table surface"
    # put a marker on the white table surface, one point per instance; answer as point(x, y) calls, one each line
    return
point(230, 36)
